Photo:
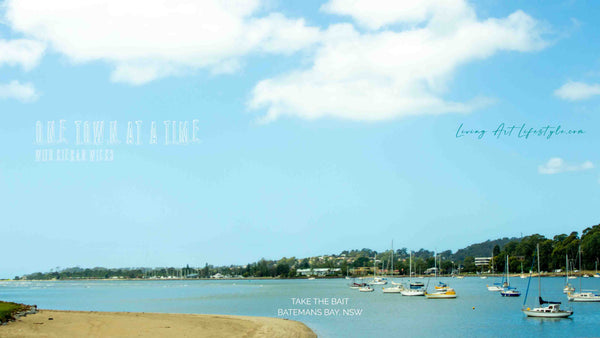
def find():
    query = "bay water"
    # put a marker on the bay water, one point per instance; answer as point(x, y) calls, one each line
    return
point(476, 312)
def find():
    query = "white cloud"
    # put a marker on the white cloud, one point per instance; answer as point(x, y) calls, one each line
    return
point(575, 91)
point(557, 165)
point(23, 52)
point(374, 14)
point(389, 73)
point(15, 90)
point(149, 39)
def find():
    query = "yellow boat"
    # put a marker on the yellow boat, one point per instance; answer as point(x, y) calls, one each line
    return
point(442, 287)
point(446, 294)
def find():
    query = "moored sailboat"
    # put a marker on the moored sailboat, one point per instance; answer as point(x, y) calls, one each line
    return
point(509, 291)
point(393, 289)
point(441, 286)
point(583, 295)
point(377, 280)
point(522, 274)
point(496, 286)
point(444, 294)
point(568, 287)
point(396, 288)
point(443, 291)
point(413, 289)
point(547, 309)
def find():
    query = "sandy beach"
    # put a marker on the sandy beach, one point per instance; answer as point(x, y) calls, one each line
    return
point(132, 324)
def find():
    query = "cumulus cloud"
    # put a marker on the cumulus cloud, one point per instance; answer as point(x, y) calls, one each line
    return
point(24, 92)
point(557, 165)
point(575, 91)
point(374, 14)
point(386, 73)
point(150, 39)
point(23, 52)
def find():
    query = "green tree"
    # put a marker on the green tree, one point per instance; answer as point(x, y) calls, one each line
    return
point(590, 246)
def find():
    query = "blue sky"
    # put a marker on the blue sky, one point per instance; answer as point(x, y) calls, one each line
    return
point(324, 126)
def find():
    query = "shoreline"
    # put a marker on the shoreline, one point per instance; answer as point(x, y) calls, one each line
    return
point(580, 274)
point(60, 323)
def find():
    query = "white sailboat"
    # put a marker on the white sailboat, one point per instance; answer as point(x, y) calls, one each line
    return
point(568, 287)
point(397, 288)
point(509, 291)
point(583, 295)
point(546, 309)
point(459, 276)
point(376, 280)
point(496, 287)
point(412, 291)
point(393, 289)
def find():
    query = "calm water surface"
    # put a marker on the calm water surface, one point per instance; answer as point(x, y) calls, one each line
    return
point(382, 314)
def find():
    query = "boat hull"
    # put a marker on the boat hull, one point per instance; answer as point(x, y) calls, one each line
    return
point(510, 294)
point(440, 296)
point(448, 294)
point(541, 314)
point(583, 297)
point(494, 288)
point(392, 290)
point(410, 293)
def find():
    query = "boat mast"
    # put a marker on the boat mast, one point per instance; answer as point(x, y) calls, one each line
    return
point(375, 267)
point(539, 273)
point(580, 269)
point(566, 269)
point(410, 267)
point(435, 263)
point(507, 278)
point(392, 258)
